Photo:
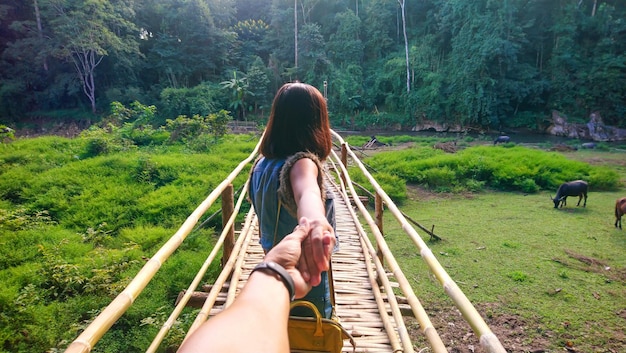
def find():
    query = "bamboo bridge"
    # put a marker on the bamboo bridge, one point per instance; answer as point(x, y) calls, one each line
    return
point(373, 296)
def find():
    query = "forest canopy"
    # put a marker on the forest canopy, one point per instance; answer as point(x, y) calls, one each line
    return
point(381, 63)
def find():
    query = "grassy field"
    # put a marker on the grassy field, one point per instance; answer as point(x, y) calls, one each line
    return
point(544, 279)
point(77, 222)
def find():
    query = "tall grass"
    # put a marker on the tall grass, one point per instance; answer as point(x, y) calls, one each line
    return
point(75, 227)
point(514, 168)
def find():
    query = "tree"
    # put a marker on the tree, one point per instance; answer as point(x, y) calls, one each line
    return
point(239, 93)
point(587, 64)
point(186, 47)
point(259, 85)
point(345, 45)
point(86, 32)
point(314, 63)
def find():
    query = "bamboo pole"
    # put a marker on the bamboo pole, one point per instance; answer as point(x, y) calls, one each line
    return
point(418, 310)
point(103, 322)
point(227, 212)
point(234, 280)
point(203, 315)
point(377, 273)
point(344, 162)
point(378, 211)
point(486, 337)
point(196, 281)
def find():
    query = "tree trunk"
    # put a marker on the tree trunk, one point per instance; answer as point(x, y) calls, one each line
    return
point(85, 63)
point(40, 31)
point(295, 32)
point(595, 6)
point(406, 48)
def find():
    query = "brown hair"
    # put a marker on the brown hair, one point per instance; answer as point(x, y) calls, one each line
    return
point(298, 122)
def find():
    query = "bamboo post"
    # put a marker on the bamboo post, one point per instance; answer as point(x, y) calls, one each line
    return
point(344, 160)
point(228, 202)
point(378, 209)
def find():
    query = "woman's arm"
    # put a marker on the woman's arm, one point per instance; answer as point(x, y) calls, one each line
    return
point(317, 249)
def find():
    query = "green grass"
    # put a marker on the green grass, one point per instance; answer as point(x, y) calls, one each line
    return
point(517, 255)
point(75, 227)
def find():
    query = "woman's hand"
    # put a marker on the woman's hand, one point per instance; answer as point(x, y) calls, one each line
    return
point(316, 251)
point(287, 254)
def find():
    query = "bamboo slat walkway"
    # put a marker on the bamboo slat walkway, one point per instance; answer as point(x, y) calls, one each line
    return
point(356, 305)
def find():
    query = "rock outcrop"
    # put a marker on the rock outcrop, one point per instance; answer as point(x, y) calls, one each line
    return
point(594, 130)
point(427, 125)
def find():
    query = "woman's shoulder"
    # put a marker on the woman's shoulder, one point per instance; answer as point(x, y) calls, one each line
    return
point(269, 163)
point(291, 160)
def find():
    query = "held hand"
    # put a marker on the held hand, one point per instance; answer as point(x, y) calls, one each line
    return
point(316, 251)
point(287, 254)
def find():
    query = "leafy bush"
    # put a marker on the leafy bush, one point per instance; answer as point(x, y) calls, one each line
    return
point(193, 131)
point(6, 133)
point(513, 168)
point(198, 100)
point(441, 179)
point(527, 185)
point(100, 141)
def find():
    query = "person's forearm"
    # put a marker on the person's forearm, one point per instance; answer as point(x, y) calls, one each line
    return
point(257, 318)
point(310, 205)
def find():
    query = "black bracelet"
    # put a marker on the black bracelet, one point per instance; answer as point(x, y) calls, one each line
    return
point(284, 275)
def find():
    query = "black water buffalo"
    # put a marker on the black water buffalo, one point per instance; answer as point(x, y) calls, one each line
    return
point(620, 210)
point(501, 139)
point(589, 145)
point(571, 188)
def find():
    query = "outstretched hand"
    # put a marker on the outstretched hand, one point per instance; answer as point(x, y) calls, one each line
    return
point(316, 251)
point(287, 254)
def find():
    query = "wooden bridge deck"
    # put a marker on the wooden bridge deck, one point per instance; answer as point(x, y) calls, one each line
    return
point(356, 305)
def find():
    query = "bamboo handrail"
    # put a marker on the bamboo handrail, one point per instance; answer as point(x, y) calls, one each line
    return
point(487, 338)
point(196, 281)
point(224, 274)
point(405, 339)
point(418, 310)
point(103, 322)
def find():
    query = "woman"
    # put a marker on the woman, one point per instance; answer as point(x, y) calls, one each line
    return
point(287, 183)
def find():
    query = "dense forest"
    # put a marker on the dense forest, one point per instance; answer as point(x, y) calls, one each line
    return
point(381, 63)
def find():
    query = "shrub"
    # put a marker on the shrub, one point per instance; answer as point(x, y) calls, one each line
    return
point(6, 133)
point(518, 276)
point(440, 178)
point(515, 168)
point(199, 100)
point(602, 178)
point(101, 141)
point(527, 185)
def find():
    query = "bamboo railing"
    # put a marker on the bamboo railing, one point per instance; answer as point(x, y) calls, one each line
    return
point(487, 339)
point(105, 320)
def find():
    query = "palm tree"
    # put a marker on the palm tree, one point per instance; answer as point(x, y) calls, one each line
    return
point(239, 88)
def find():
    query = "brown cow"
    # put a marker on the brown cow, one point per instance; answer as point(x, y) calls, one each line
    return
point(620, 210)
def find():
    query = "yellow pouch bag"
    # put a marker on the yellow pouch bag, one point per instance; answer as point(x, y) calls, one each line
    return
point(316, 334)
